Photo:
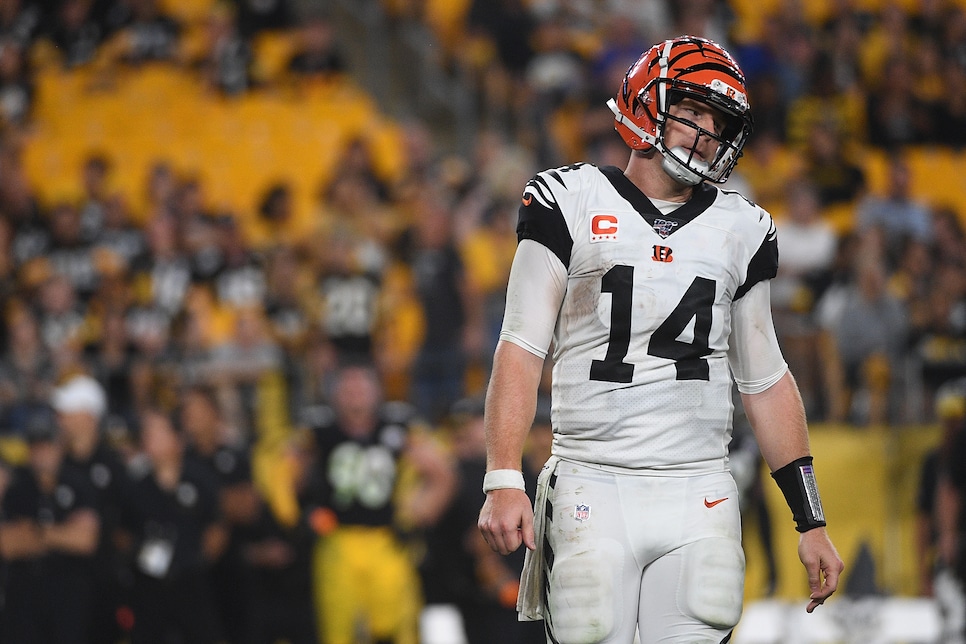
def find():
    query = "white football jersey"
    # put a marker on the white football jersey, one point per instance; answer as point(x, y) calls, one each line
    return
point(641, 378)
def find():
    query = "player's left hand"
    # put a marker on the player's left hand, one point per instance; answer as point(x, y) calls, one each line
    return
point(822, 563)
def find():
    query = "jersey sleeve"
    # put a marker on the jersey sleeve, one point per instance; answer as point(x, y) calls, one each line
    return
point(538, 282)
point(764, 263)
point(541, 218)
point(755, 357)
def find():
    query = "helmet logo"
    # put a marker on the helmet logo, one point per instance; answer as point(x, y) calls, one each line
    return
point(721, 87)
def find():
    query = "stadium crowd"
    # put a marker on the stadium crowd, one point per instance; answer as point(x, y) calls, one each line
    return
point(210, 420)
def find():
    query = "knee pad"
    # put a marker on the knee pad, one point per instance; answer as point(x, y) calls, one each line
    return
point(713, 582)
point(584, 600)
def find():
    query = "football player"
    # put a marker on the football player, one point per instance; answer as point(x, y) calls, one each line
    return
point(652, 285)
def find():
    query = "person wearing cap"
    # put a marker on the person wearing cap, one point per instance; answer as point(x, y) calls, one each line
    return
point(81, 403)
point(49, 528)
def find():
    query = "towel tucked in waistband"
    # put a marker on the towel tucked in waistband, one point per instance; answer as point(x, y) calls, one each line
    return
point(530, 598)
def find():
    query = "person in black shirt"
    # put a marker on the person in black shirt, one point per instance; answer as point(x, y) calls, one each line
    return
point(81, 403)
point(176, 534)
point(364, 579)
point(49, 530)
point(459, 568)
point(208, 443)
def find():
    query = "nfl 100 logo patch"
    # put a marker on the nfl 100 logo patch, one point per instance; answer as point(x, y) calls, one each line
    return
point(664, 227)
point(581, 512)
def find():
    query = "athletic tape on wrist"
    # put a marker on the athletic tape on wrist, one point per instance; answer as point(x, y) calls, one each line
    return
point(503, 479)
point(797, 483)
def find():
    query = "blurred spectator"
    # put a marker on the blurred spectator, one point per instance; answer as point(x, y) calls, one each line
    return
point(49, 531)
point(704, 18)
point(807, 246)
point(949, 236)
point(20, 20)
point(953, 36)
point(896, 214)
point(198, 227)
point(226, 59)
point(746, 465)
point(838, 178)
point(173, 521)
point(896, 116)
point(18, 202)
point(239, 276)
point(459, 569)
point(146, 34)
point(255, 16)
point(75, 32)
point(348, 296)
point(27, 371)
point(118, 234)
point(16, 85)
point(949, 115)
point(110, 355)
point(950, 411)
point(365, 583)
point(949, 524)
point(824, 105)
point(69, 254)
point(161, 276)
point(216, 445)
point(156, 368)
point(81, 406)
point(238, 364)
point(940, 343)
point(502, 33)
point(454, 333)
point(95, 175)
point(868, 327)
point(555, 77)
point(290, 317)
point(276, 221)
point(278, 584)
point(317, 54)
point(160, 189)
point(61, 318)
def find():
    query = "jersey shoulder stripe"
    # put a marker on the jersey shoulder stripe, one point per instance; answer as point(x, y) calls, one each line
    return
point(540, 217)
point(764, 263)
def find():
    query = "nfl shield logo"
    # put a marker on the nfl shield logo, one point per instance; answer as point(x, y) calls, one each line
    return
point(582, 512)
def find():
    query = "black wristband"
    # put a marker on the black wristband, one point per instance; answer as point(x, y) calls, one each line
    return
point(797, 482)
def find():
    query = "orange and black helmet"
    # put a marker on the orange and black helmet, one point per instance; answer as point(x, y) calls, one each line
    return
point(684, 67)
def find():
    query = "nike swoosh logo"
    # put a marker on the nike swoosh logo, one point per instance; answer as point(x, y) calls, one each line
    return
point(711, 504)
point(527, 199)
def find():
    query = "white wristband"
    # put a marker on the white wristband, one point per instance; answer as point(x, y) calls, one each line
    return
point(503, 479)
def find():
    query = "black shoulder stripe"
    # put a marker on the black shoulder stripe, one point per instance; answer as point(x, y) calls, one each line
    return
point(540, 185)
point(764, 265)
point(545, 225)
point(555, 175)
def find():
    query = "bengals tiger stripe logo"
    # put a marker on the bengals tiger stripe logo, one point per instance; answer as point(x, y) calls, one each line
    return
point(662, 254)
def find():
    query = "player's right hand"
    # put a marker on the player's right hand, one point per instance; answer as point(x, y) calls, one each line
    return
point(506, 520)
point(822, 563)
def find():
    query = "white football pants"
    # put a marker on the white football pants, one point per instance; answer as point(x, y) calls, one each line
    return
point(658, 555)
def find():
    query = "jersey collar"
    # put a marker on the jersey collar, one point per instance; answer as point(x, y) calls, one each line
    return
point(701, 199)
